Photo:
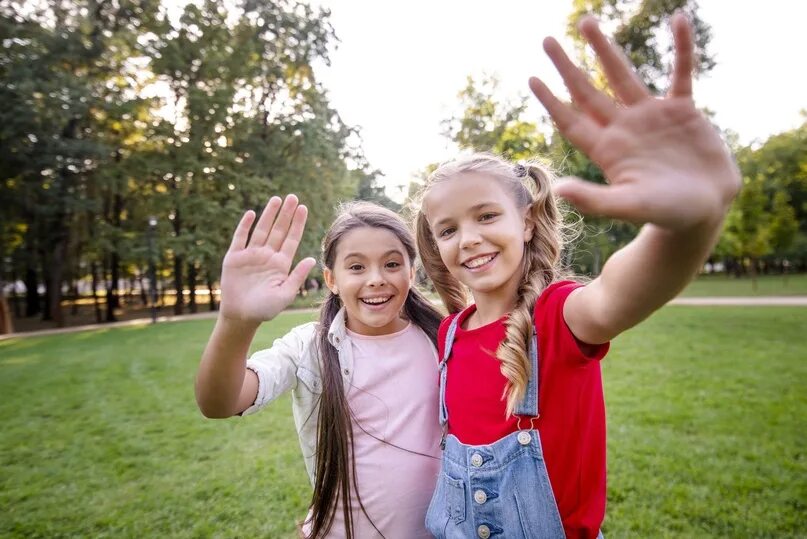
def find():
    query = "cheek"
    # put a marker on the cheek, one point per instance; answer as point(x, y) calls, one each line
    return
point(445, 249)
point(346, 285)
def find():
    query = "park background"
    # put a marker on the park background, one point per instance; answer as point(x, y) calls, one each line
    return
point(133, 134)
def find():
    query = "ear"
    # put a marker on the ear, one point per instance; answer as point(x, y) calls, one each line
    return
point(412, 276)
point(529, 224)
point(330, 282)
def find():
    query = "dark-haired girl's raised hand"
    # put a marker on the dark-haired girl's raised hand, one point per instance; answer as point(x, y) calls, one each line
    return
point(664, 161)
point(256, 281)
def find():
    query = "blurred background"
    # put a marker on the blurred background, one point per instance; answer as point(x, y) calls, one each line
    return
point(135, 133)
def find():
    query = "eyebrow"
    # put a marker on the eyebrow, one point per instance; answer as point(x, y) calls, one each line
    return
point(475, 207)
point(362, 255)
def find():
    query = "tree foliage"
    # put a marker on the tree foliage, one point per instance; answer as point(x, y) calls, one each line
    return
point(768, 222)
point(487, 124)
point(641, 29)
point(766, 228)
point(115, 112)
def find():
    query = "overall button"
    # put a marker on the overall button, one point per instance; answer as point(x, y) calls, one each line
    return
point(480, 497)
point(476, 460)
point(483, 532)
point(524, 437)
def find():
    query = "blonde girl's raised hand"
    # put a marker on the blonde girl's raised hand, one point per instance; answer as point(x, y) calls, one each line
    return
point(664, 162)
point(256, 281)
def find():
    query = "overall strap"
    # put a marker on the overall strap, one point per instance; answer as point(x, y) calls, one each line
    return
point(528, 407)
point(443, 415)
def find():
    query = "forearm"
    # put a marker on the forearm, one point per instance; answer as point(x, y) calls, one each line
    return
point(222, 370)
point(646, 274)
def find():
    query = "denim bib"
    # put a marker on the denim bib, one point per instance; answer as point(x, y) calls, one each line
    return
point(496, 490)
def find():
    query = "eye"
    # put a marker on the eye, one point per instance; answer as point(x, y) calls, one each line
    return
point(447, 232)
point(488, 216)
point(355, 267)
point(393, 265)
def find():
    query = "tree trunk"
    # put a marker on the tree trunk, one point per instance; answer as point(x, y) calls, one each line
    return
point(179, 285)
point(110, 283)
point(44, 260)
point(112, 300)
point(6, 325)
point(15, 298)
point(32, 303)
point(94, 272)
point(192, 287)
point(144, 298)
point(54, 273)
point(74, 291)
point(212, 297)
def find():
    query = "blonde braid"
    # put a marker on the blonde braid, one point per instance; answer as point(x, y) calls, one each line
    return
point(541, 268)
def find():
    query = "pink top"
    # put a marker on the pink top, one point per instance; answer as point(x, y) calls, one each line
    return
point(394, 400)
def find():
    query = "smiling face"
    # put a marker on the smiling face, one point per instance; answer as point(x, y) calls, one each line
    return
point(480, 233)
point(372, 276)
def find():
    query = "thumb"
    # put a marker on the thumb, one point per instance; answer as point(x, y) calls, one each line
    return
point(595, 199)
point(297, 276)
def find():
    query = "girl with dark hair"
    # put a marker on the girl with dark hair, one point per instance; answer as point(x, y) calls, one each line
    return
point(362, 378)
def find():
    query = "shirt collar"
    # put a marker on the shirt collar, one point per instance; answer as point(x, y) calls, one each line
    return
point(338, 330)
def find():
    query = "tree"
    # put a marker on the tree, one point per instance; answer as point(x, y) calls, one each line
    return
point(87, 153)
point(767, 224)
point(57, 77)
point(639, 27)
point(487, 124)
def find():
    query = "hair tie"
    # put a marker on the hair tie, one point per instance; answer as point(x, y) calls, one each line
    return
point(520, 170)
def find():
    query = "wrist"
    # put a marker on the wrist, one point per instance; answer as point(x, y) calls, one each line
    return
point(237, 326)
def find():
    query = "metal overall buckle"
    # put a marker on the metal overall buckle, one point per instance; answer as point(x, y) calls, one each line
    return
point(524, 436)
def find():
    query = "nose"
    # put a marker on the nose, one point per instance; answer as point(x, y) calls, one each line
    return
point(469, 237)
point(376, 278)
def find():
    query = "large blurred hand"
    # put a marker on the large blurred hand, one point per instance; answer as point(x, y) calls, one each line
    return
point(255, 281)
point(664, 161)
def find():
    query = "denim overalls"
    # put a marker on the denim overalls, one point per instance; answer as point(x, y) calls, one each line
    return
point(498, 490)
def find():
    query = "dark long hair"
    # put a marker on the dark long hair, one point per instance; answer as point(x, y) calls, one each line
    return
point(335, 473)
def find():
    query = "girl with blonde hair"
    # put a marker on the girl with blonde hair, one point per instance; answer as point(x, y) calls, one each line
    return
point(521, 396)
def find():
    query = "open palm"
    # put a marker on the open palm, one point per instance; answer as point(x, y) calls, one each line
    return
point(256, 282)
point(664, 162)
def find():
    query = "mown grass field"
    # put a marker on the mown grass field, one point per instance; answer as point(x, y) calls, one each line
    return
point(101, 436)
point(765, 285)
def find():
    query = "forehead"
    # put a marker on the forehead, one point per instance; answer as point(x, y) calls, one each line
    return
point(460, 194)
point(369, 242)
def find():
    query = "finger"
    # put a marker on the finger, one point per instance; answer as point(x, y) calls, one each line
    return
point(297, 276)
point(616, 201)
point(281, 226)
point(579, 129)
point(264, 225)
point(684, 57)
point(292, 241)
point(620, 74)
point(241, 234)
point(583, 93)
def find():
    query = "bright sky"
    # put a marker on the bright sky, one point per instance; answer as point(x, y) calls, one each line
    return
point(399, 67)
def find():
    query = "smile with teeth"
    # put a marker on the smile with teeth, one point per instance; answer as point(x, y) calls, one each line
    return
point(478, 261)
point(376, 301)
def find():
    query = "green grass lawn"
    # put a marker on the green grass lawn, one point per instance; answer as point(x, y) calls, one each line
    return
point(766, 285)
point(101, 436)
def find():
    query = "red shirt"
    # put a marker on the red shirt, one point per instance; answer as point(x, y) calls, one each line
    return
point(572, 411)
